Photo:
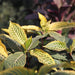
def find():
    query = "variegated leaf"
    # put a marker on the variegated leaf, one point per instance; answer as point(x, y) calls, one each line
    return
point(17, 71)
point(43, 56)
point(56, 45)
point(60, 25)
point(31, 27)
point(43, 20)
point(5, 30)
point(17, 33)
point(72, 47)
point(3, 50)
point(14, 45)
point(16, 59)
point(65, 72)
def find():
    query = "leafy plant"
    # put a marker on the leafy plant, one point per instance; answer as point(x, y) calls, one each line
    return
point(23, 48)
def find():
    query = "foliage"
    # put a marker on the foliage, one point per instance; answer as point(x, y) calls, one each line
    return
point(22, 48)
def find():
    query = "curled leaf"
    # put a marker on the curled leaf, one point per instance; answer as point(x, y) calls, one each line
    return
point(43, 20)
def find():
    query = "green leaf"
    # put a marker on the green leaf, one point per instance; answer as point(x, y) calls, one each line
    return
point(43, 56)
point(1, 65)
point(43, 20)
point(65, 72)
point(17, 71)
point(56, 45)
point(35, 41)
point(31, 27)
point(70, 64)
point(16, 59)
point(59, 57)
point(57, 36)
point(17, 33)
point(72, 47)
point(14, 45)
point(45, 69)
point(3, 50)
point(2, 57)
point(61, 38)
point(28, 42)
point(60, 25)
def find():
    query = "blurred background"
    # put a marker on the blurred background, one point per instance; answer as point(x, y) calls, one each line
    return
point(25, 12)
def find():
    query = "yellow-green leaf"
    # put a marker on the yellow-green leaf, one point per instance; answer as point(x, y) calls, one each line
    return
point(70, 64)
point(5, 30)
point(65, 72)
point(43, 20)
point(45, 69)
point(17, 71)
point(60, 25)
point(72, 47)
point(31, 27)
point(28, 42)
point(3, 50)
point(43, 56)
point(17, 33)
point(1, 65)
point(56, 45)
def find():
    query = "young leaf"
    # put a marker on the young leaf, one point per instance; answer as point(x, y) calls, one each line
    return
point(72, 47)
point(16, 59)
point(28, 42)
point(3, 50)
point(17, 33)
point(35, 41)
point(56, 45)
point(43, 20)
point(14, 45)
point(60, 25)
point(43, 56)
point(65, 72)
point(31, 27)
point(17, 71)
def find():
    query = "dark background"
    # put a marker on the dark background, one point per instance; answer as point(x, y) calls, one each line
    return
point(25, 12)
